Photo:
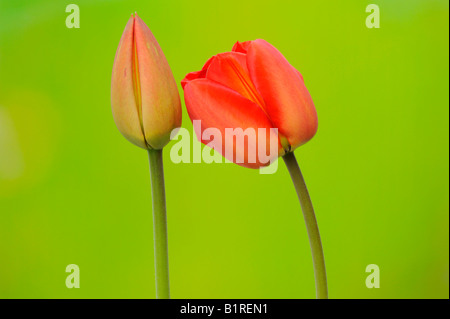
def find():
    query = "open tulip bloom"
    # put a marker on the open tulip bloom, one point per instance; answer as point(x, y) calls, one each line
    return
point(255, 87)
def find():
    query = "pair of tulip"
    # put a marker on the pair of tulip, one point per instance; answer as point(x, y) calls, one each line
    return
point(253, 86)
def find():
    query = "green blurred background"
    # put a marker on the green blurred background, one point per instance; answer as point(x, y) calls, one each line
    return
point(73, 190)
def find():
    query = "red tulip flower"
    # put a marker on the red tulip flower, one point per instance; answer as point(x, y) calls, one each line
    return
point(253, 86)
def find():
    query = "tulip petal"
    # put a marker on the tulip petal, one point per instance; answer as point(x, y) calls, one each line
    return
point(196, 75)
point(161, 106)
point(220, 107)
point(123, 101)
point(230, 69)
point(241, 47)
point(288, 102)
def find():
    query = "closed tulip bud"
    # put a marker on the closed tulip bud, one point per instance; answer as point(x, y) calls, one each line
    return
point(253, 86)
point(144, 96)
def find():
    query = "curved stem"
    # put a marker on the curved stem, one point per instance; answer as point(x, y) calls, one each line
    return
point(311, 225)
point(159, 224)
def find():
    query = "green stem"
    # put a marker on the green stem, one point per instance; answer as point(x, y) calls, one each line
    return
point(311, 225)
point(159, 224)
